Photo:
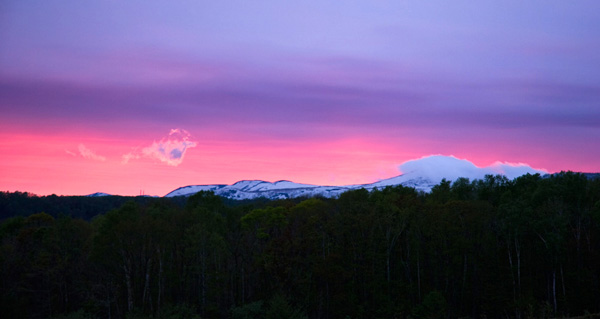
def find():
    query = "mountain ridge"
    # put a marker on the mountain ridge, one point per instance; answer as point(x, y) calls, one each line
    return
point(421, 174)
point(274, 190)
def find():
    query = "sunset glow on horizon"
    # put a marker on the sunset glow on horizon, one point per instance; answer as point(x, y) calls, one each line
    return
point(130, 97)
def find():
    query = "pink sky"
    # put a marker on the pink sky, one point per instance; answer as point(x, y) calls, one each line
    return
point(85, 163)
point(311, 92)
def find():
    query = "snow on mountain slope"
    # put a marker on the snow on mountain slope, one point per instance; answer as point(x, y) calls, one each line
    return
point(98, 194)
point(265, 186)
point(193, 189)
point(255, 189)
point(261, 186)
point(421, 174)
point(282, 193)
point(419, 183)
point(245, 185)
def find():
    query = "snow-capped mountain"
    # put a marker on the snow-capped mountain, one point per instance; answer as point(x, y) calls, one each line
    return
point(421, 174)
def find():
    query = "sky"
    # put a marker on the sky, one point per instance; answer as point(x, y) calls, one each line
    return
point(130, 97)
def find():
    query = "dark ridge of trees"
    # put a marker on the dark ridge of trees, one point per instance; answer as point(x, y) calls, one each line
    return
point(495, 248)
point(26, 204)
point(83, 207)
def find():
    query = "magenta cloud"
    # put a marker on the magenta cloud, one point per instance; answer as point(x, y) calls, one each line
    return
point(170, 150)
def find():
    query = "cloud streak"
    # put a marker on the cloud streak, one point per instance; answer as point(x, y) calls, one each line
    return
point(70, 153)
point(89, 154)
point(129, 156)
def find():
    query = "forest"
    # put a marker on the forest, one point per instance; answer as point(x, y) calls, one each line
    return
point(489, 248)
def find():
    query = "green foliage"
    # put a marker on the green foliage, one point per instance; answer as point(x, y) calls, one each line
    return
point(253, 310)
point(265, 221)
point(280, 308)
point(79, 314)
point(482, 248)
point(206, 200)
point(181, 311)
point(441, 193)
point(432, 307)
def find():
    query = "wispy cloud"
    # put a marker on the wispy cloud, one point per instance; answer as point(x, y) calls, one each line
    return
point(170, 150)
point(89, 154)
point(129, 156)
point(70, 153)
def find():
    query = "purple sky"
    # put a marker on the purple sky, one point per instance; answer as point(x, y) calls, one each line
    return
point(487, 81)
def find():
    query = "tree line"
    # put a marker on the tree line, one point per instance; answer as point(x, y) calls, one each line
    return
point(522, 248)
point(83, 207)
